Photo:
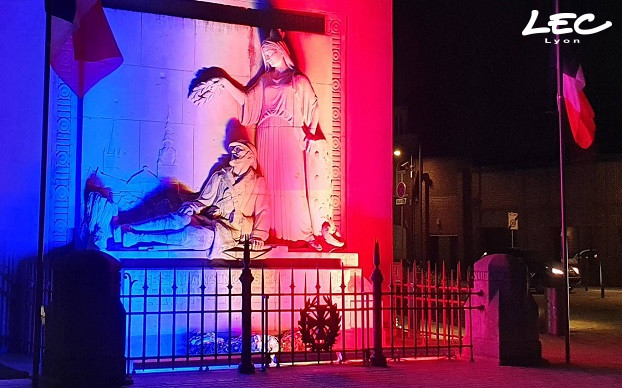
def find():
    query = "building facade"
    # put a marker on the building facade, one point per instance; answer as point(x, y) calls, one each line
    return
point(467, 212)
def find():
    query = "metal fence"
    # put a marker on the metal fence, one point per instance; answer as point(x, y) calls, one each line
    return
point(428, 308)
point(221, 317)
point(16, 301)
point(6, 287)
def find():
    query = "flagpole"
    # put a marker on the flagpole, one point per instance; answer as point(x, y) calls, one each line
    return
point(562, 203)
point(38, 297)
point(422, 260)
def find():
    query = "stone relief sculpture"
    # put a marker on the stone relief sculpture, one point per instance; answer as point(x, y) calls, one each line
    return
point(293, 156)
point(233, 203)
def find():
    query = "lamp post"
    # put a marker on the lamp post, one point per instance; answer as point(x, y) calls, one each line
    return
point(415, 173)
point(401, 200)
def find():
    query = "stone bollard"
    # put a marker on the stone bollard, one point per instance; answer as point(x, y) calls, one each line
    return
point(505, 328)
point(85, 323)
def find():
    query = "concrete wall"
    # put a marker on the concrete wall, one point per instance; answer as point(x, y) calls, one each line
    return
point(22, 28)
point(21, 76)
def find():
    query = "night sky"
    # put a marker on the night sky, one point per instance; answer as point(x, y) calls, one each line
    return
point(475, 87)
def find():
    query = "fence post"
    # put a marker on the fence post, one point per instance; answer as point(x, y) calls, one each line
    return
point(378, 359)
point(246, 278)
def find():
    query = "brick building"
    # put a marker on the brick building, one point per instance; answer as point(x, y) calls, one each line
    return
point(468, 211)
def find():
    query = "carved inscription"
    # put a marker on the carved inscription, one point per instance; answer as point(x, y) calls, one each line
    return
point(62, 166)
point(334, 29)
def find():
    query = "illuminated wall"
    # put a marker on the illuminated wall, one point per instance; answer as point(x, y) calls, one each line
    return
point(128, 114)
point(21, 75)
point(369, 107)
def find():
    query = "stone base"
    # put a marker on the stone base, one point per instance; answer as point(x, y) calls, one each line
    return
point(378, 360)
point(521, 354)
point(246, 368)
point(514, 353)
point(277, 256)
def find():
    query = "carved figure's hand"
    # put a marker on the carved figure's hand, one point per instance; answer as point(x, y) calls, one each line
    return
point(304, 143)
point(307, 145)
point(256, 244)
point(186, 209)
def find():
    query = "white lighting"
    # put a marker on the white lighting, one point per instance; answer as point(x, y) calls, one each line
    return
point(397, 153)
point(557, 271)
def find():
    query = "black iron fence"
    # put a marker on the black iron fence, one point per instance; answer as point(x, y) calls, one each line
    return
point(201, 317)
point(6, 288)
point(16, 301)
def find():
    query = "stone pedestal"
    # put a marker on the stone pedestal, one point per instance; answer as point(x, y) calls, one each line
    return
point(85, 323)
point(506, 328)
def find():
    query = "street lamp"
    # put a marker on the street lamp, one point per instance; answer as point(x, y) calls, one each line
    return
point(417, 203)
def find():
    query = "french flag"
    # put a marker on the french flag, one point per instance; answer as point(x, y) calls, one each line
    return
point(580, 113)
point(83, 49)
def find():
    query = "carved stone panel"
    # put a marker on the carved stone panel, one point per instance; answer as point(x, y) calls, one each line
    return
point(139, 116)
point(62, 164)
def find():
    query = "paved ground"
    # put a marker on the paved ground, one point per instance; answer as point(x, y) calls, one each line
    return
point(595, 332)
point(596, 360)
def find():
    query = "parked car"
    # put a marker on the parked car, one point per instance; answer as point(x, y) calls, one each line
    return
point(543, 273)
point(555, 272)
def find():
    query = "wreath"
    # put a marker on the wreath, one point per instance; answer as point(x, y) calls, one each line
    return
point(319, 324)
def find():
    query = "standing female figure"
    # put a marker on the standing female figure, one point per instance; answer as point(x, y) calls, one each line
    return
point(284, 106)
